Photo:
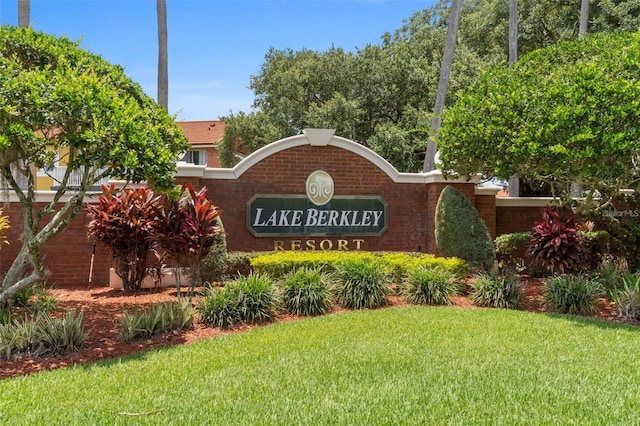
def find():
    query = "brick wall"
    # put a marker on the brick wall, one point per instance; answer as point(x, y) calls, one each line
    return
point(411, 200)
point(67, 256)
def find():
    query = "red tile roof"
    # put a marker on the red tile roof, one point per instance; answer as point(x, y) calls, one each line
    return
point(202, 132)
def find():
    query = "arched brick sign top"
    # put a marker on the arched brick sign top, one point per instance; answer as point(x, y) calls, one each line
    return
point(399, 216)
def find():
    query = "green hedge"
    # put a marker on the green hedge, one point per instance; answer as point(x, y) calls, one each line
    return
point(278, 264)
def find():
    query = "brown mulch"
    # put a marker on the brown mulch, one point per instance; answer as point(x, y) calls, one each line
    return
point(102, 307)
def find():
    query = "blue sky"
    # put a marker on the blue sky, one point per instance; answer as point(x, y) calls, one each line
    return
point(214, 45)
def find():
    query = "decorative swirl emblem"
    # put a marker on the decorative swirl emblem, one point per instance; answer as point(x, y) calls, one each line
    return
point(319, 187)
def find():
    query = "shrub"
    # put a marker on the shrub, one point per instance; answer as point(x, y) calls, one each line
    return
point(157, 319)
point(399, 264)
point(238, 263)
point(22, 299)
point(60, 335)
point(497, 291)
point(42, 335)
point(214, 264)
point(125, 223)
point(305, 291)
point(362, 283)
point(555, 243)
point(627, 299)
point(429, 286)
point(258, 301)
point(250, 299)
point(460, 232)
point(44, 301)
point(511, 248)
point(219, 307)
point(572, 294)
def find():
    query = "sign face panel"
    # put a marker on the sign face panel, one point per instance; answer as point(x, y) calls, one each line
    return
point(297, 215)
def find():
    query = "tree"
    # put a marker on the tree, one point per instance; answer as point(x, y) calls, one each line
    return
point(57, 99)
point(163, 55)
point(365, 95)
point(561, 115)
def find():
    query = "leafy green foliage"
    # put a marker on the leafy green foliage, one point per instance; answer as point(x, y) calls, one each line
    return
point(460, 232)
point(429, 286)
point(305, 291)
point(398, 264)
point(214, 264)
point(59, 100)
point(160, 318)
point(627, 298)
point(496, 291)
point(126, 223)
point(578, 124)
point(572, 294)
point(251, 299)
point(43, 335)
point(555, 242)
point(362, 283)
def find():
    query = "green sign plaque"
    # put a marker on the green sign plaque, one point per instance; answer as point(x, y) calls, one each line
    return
point(282, 215)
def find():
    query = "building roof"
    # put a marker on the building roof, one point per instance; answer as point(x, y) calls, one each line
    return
point(202, 132)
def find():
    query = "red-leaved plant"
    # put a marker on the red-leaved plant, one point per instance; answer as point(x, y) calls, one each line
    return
point(188, 230)
point(555, 242)
point(126, 222)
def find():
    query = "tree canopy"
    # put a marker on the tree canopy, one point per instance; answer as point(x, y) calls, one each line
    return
point(59, 101)
point(383, 95)
point(562, 115)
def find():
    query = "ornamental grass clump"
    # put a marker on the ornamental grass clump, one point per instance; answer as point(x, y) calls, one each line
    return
point(627, 299)
point(305, 291)
point(429, 286)
point(43, 335)
point(496, 291)
point(251, 299)
point(572, 294)
point(362, 283)
point(157, 319)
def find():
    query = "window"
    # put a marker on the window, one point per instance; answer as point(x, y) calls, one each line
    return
point(197, 157)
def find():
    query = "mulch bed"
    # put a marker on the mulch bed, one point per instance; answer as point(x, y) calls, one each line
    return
point(102, 308)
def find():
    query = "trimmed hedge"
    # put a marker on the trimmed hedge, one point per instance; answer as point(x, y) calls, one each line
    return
point(279, 264)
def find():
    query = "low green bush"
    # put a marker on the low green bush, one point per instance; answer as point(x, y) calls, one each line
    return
point(572, 294)
point(627, 298)
point(218, 307)
point(511, 249)
point(305, 291)
point(362, 283)
point(429, 286)
point(251, 299)
point(496, 291)
point(42, 335)
point(157, 319)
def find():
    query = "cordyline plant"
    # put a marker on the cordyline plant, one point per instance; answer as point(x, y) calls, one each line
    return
point(555, 242)
point(126, 222)
point(188, 230)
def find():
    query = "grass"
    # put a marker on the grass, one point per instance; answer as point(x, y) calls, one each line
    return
point(414, 365)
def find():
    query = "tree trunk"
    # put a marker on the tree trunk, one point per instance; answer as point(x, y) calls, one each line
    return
point(163, 60)
point(514, 182)
point(443, 83)
point(24, 13)
point(584, 18)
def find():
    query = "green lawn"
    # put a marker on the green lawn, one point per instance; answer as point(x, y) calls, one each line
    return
point(415, 365)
